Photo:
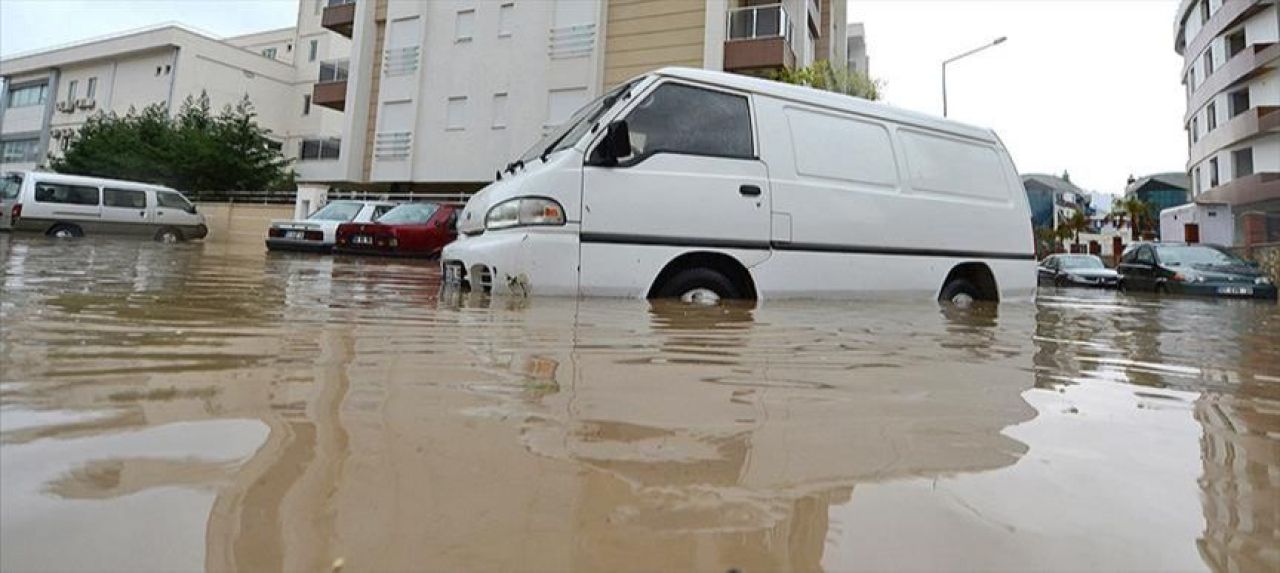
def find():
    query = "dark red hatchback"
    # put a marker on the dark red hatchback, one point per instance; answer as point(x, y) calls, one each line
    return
point(409, 230)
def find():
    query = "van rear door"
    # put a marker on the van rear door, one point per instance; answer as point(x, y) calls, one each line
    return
point(693, 179)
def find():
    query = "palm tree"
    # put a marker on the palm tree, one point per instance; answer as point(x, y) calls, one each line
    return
point(1133, 211)
point(1074, 225)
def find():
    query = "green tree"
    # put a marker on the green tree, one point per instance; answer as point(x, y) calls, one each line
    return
point(1071, 227)
point(194, 150)
point(1132, 211)
point(822, 75)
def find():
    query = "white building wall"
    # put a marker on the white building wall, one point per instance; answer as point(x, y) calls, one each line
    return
point(1217, 226)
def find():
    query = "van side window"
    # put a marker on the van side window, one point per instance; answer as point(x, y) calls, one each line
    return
point(68, 194)
point(129, 198)
point(172, 201)
point(677, 118)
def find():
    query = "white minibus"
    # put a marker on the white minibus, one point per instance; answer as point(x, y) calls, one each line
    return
point(703, 185)
point(60, 205)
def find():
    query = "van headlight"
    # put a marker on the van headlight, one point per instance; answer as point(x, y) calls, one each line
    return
point(1262, 281)
point(524, 212)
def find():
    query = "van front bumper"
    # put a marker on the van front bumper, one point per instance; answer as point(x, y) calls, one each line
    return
point(541, 261)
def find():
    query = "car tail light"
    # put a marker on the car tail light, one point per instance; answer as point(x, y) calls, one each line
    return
point(314, 235)
point(15, 213)
point(274, 232)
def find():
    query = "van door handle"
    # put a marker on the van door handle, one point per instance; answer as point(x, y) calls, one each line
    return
point(142, 213)
point(749, 190)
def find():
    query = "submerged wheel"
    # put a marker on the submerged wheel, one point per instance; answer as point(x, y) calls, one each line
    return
point(168, 235)
point(700, 286)
point(65, 231)
point(960, 292)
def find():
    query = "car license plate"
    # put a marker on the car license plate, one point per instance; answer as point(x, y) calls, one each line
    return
point(294, 234)
point(361, 240)
point(1243, 291)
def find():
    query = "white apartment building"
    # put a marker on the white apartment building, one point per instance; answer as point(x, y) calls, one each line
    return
point(1231, 50)
point(438, 96)
point(858, 60)
point(48, 94)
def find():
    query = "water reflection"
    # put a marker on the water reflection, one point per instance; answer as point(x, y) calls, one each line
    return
point(289, 412)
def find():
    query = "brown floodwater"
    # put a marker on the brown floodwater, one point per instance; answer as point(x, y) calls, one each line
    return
point(210, 406)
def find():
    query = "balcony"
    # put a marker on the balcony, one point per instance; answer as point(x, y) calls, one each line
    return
point(331, 87)
point(339, 16)
point(1244, 190)
point(759, 39)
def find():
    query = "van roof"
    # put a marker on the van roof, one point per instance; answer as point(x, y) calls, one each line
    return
point(828, 99)
point(85, 180)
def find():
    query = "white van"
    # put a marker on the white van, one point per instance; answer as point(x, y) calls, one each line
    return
point(74, 206)
point(704, 185)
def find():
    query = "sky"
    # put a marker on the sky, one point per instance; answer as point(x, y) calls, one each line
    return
point(1085, 86)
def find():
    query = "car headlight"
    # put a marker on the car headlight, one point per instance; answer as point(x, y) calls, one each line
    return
point(1072, 277)
point(1262, 281)
point(523, 212)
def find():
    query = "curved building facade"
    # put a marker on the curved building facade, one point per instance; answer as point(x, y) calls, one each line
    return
point(1231, 72)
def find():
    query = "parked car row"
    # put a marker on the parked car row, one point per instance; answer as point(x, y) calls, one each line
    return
point(419, 229)
point(1175, 268)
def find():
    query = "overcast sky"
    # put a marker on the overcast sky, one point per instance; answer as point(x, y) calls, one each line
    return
point(1088, 86)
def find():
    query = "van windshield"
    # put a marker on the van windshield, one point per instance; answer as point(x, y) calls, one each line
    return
point(10, 185)
point(567, 134)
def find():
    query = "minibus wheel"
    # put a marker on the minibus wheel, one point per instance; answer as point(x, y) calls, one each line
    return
point(700, 286)
point(168, 235)
point(65, 231)
point(960, 292)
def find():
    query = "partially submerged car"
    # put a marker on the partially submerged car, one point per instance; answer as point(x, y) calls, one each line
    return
point(1191, 269)
point(1076, 270)
point(411, 230)
point(317, 232)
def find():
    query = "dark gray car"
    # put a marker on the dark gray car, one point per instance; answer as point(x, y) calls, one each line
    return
point(1076, 270)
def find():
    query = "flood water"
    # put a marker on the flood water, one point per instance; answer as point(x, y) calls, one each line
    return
point(210, 406)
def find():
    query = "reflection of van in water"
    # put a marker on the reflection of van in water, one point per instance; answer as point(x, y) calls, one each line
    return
point(73, 206)
point(704, 185)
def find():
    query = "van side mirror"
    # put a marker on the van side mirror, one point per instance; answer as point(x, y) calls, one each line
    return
point(615, 145)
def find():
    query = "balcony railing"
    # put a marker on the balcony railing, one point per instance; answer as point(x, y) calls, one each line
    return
point(333, 71)
point(339, 16)
point(756, 22)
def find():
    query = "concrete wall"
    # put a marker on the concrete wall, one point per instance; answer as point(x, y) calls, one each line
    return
point(1267, 257)
point(240, 222)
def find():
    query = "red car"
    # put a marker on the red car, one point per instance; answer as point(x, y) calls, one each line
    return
point(409, 230)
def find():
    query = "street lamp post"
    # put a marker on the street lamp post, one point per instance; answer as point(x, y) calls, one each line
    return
point(997, 42)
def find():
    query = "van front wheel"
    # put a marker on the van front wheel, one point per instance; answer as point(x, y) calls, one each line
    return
point(168, 235)
point(700, 286)
point(64, 231)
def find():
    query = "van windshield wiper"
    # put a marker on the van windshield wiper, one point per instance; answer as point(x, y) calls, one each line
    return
point(605, 104)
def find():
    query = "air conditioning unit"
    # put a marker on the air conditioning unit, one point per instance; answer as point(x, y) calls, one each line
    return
point(63, 106)
point(85, 103)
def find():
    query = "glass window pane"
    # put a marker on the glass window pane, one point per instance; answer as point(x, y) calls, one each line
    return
point(130, 198)
point(67, 194)
point(681, 119)
point(172, 200)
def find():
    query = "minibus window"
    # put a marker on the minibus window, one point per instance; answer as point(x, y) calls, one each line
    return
point(173, 201)
point(128, 198)
point(10, 185)
point(67, 194)
point(676, 118)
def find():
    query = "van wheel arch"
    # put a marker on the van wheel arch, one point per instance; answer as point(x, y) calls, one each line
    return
point(65, 230)
point(975, 279)
point(719, 263)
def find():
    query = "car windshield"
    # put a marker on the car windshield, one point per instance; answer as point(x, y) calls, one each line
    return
point(567, 134)
point(1191, 255)
point(340, 211)
point(9, 186)
point(410, 213)
point(1082, 263)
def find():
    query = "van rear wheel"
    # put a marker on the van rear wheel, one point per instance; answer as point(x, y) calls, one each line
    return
point(168, 235)
point(65, 231)
point(960, 292)
point(699, 286)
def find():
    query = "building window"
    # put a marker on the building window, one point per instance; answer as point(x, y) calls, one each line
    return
point(1239, 102)
point(1195, 129)
point(506, 17)
point(1208, 62)
point(334, 71)
point(456, 113)
point(270, 53)
point(1235, 44)
point(499, 111)
point(91, 90)
point(464, 27)
point(28, 95)
point(72, 88)
point(314, 149)
point(1242, 162)
point(1196, 186)
point(19, 150)
point(1204, 11)
point(1211, 115)
point(288, 48)
point(306, 104)
point(312, 48)
point(1213, 172)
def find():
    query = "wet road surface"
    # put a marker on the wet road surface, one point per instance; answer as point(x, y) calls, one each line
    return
point(210, 406)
